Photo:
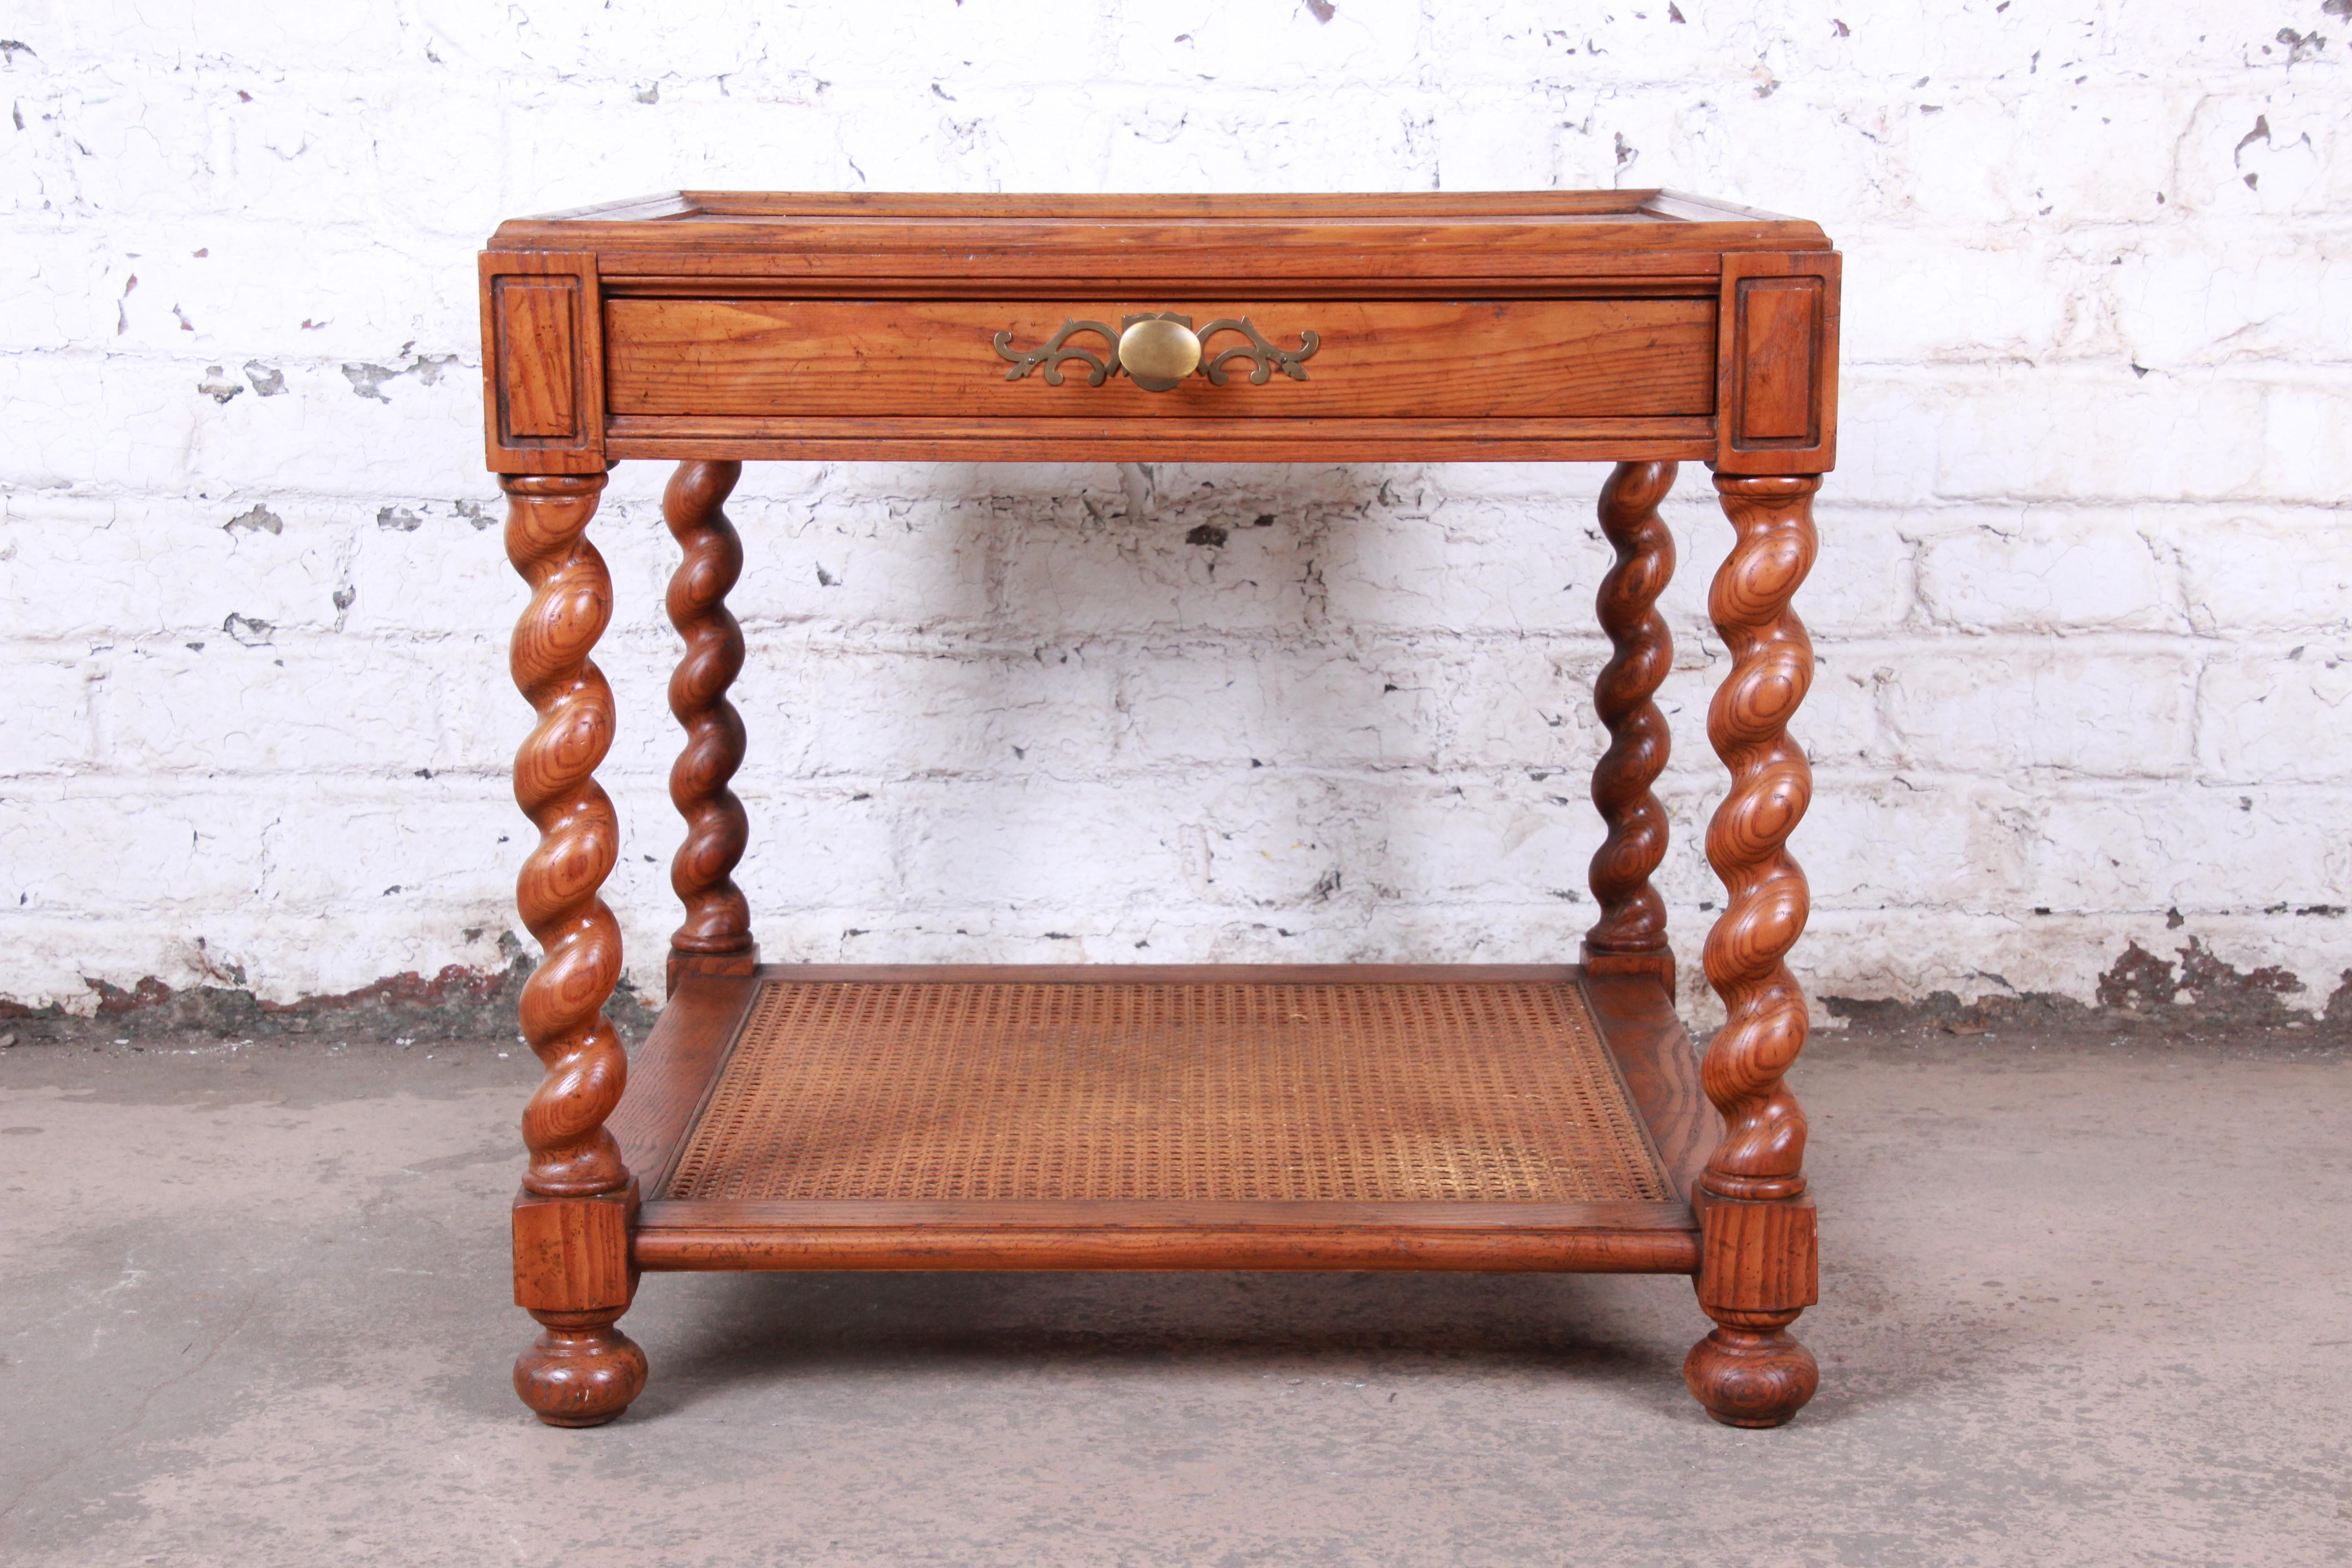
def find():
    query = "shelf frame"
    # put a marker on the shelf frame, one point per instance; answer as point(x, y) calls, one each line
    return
point(681, 1061)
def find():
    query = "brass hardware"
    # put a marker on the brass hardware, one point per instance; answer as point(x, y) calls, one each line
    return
point(1264, 357)
point(1052, 355)
point(1158, 350)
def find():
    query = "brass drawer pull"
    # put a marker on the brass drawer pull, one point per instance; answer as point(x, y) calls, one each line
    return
point(1157, 351)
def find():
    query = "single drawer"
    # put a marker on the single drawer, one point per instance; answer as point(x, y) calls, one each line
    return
point(966, 359)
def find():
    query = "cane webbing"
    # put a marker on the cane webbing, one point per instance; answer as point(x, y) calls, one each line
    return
point(1397, 1091)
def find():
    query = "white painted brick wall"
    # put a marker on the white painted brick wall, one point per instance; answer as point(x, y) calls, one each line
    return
point(2084, 604)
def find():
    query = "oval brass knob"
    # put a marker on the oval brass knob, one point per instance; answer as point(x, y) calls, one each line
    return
point(1158, 353)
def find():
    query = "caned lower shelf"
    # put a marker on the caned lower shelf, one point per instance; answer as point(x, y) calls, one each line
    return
point(1115, 1117)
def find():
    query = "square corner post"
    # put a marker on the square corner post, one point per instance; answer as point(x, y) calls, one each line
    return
point(1777, 429)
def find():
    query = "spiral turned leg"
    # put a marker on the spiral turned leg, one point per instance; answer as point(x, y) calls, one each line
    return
point(1757, 1270)
point(716, 935)
point(1762, 1152)
point(571, 1222)
point(1630, 937)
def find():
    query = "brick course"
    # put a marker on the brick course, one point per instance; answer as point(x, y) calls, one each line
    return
point(2084, 607)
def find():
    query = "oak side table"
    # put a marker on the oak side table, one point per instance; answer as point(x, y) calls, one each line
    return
point(1335, 1116)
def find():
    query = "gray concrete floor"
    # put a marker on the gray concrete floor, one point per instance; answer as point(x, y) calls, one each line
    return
point(2085, 1302)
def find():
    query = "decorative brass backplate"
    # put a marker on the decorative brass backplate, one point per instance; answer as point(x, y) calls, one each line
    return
point(1056, 350)
point(1264, 357)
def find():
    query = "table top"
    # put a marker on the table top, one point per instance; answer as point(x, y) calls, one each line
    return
point(1440, 237)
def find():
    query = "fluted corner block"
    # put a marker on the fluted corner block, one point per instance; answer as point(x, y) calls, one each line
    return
point(1630, 937)
point(1757, 1273)
point(1762, 1152)
point(717, 934)
point(557, 893)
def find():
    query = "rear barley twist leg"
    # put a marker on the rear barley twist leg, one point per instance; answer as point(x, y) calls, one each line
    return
point(572, 1221)
point(716, 935)
point(1758, 1269)
point(1631, 934)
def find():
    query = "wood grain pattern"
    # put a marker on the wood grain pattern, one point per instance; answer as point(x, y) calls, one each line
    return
point(571, 1229)
point(543, 362)
point(1669, 276)
point(1169, 438)
point(1757, 1270)
point(1762, 1152)
point(571, 1255)
point(1443, 360)
point(719, 1240)
point(1777, 364)
point(1660, 1067)
point(718, 917)
point(1778, 326)
point(1750, 1372)
point(562, 1019)
point(538, 319)
point(1758, 1259)
point(675, 1069)
point(1757, 1273)
point(1758, 1256)
point(1515, 237)
point(581, 1371)
point(1631, 933)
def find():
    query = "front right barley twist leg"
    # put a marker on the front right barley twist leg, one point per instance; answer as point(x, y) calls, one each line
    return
point(1756, 1253)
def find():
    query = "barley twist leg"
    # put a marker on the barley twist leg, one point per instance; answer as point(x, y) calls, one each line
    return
point(1757, 1272)
point(1762, 1151)
point(1631, 934)
point(717, 934)
point(571, 1234)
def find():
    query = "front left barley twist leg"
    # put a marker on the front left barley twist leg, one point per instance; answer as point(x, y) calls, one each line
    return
point(1757, 1270)
point(572, 1220)
point(717, 933)
point(1631, 934)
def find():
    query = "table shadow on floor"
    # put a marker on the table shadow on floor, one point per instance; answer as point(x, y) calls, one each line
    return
point(1627, 1334)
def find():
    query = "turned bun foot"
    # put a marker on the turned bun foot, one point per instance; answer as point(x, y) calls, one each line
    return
point(1751, 1377)
point(581, 1371)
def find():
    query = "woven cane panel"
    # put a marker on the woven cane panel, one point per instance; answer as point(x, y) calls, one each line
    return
point(1470, 1090)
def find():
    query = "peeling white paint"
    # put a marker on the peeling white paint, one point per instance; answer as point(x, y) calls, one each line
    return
point(2084, 604)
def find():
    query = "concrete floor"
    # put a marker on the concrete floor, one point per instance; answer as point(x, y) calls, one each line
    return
point(2085, 1302)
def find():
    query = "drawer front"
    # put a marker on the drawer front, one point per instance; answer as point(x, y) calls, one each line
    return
point(1423, 359)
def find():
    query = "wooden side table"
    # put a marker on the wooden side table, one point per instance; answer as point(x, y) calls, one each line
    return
point(807, 1117)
